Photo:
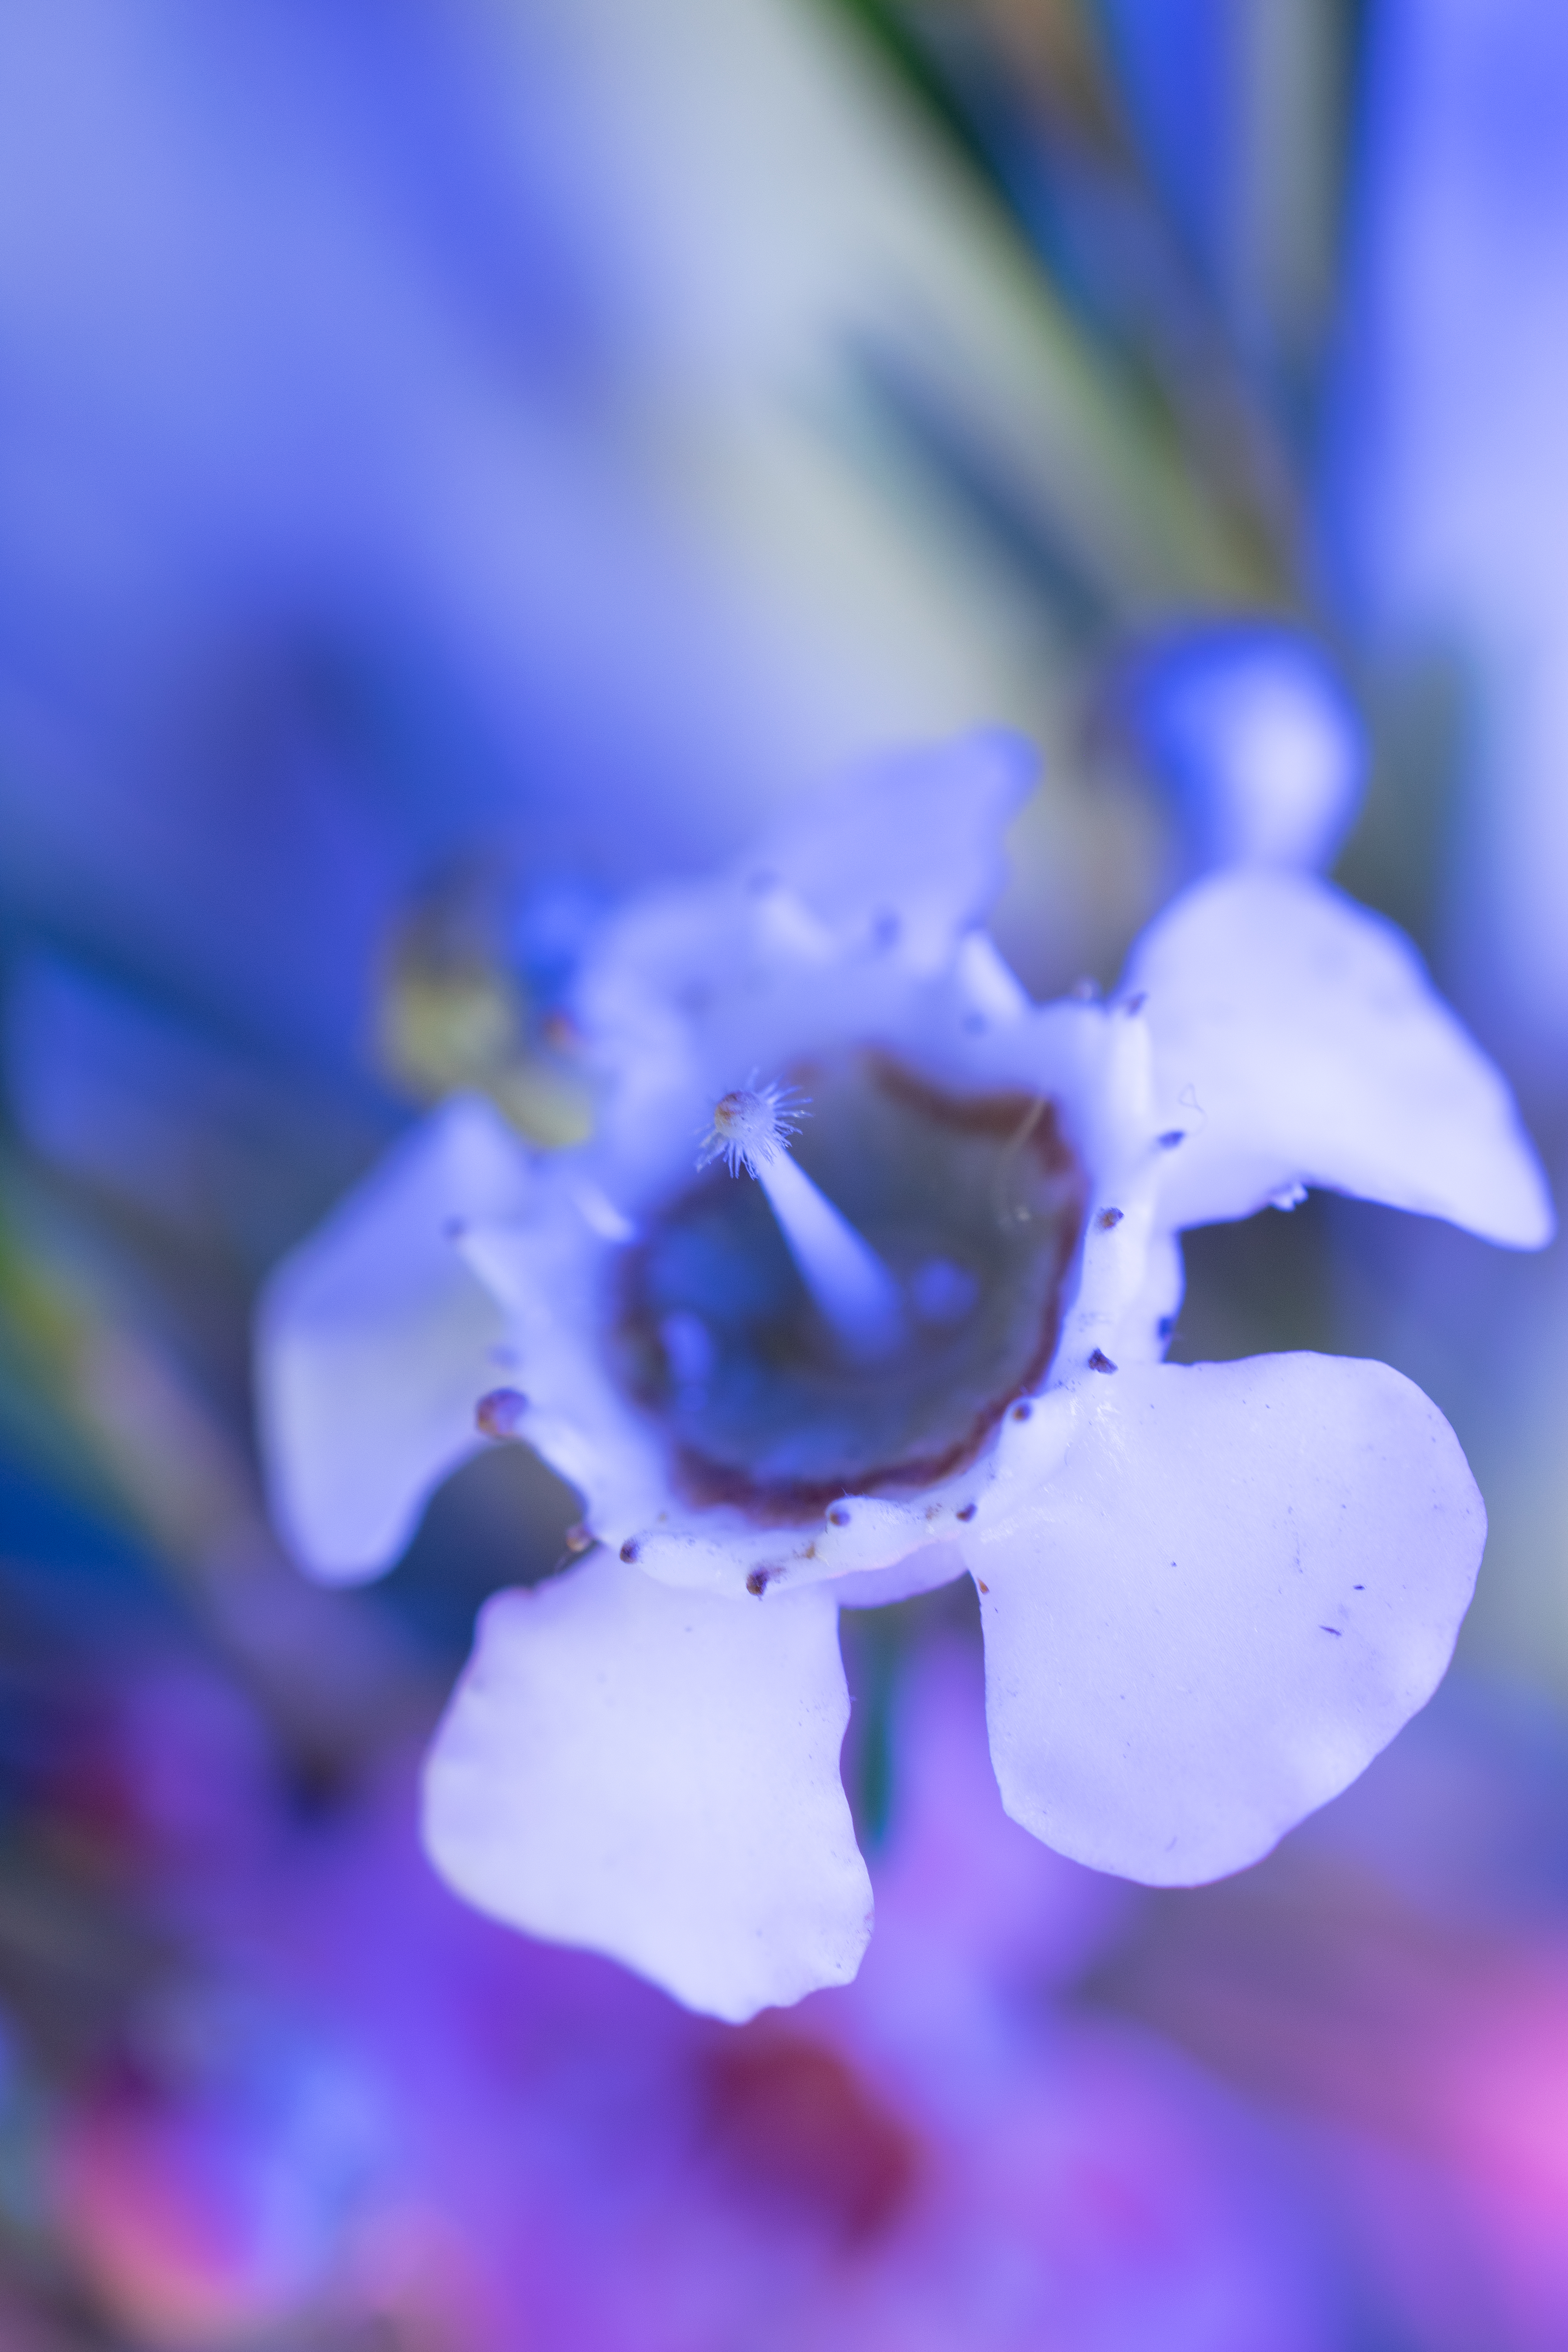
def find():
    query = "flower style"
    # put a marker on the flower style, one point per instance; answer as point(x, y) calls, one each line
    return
point(1210, 1593)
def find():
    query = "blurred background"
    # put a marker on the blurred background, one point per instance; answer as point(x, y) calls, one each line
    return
point(458, 460)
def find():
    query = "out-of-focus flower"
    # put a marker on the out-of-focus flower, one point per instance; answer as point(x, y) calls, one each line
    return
point(1396, 1982)
point(204, 2197)
point(1210, 1593)
point(389, 2112)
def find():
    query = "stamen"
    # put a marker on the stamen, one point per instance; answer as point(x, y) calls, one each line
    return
point(853, 1289)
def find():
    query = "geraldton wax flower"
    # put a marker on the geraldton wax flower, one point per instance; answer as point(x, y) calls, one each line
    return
point(862, 1284)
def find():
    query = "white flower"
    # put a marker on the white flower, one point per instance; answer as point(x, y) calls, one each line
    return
point(1210, 1594)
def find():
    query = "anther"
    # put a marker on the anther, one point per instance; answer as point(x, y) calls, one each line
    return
point(751, 1125)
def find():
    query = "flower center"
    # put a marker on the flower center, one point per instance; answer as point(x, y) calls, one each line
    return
point(974, 1204)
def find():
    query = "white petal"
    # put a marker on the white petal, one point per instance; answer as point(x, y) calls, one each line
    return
point(548, 1272)
point(1297, 1039)
point(1143, 1332)
point(816, 936)
point(986, 985)
point(1244, 1579)
point(655, 1774)
point(916, 836)
point(375, 1342)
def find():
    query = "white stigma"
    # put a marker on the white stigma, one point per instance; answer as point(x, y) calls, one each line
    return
point(752, 1129)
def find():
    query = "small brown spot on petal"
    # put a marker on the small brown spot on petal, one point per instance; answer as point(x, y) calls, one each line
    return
point(982, 1584)
point(969, 1510)
point(757, 1582)
point(1021, 1412)
point(498, 1415)
point(1109, 1219)
point(838, 1517)
point(579, 1538)
point(1101, 1362)
point(630, 1548)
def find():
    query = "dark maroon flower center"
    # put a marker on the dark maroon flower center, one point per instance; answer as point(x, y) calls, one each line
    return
point(976, 1202)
